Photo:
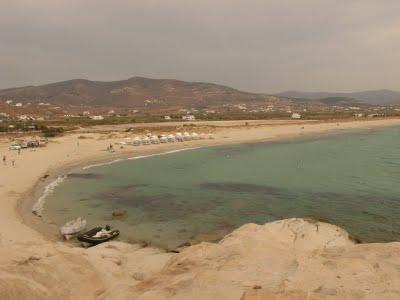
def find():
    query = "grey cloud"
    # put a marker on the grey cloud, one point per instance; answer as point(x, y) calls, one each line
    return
point(254, 45)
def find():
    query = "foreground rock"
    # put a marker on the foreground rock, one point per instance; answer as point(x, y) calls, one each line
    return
point(292, 257)
point(288, 259)
point(49, 271)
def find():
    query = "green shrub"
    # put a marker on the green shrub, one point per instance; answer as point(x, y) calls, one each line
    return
point(52, 131)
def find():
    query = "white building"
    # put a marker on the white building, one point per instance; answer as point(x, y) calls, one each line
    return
point(375, 115)
point(241, 106)
point(209, 111)
point(97, 118)
point(296, 116)
point(23, 117)
point(19, 104)
point(189, 118)
point(167, 118)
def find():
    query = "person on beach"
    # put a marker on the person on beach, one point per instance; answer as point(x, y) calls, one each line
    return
point(4, 160)
point(13, 162)
point(19, 151)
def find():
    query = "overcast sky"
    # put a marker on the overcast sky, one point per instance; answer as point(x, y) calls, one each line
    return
point(254, 45)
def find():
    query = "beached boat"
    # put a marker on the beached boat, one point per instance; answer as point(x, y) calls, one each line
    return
point(89, 236)
point(72, 228)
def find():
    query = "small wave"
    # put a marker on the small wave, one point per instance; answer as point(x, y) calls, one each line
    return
point(102, 164)
point(37, 208)
point(162, 153)
point(138, 157)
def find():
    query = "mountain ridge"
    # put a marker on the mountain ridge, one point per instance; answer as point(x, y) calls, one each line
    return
point(374, 97)
point(142, 92)
point(134, 91)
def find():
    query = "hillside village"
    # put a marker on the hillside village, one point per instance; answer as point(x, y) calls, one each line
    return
point(148, 100)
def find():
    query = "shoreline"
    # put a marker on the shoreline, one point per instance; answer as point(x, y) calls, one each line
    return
point(26, 244)
point(40, 222)
point(50, 230)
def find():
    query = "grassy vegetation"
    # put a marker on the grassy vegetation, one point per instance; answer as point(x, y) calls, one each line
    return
point(46, 131)
point(275, 116)
point(112, 120)
point(17, 126)
point(52, 131)
point(57, 126)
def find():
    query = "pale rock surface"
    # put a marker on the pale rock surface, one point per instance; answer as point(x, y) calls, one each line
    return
point(287, 259)
point(289, 256)
point(45, 271)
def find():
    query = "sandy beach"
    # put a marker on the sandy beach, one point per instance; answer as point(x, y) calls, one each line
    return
point(36, 266)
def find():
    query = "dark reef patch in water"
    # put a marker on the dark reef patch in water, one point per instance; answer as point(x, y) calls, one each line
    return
point(241, 187)
point(84, 199)
point(161, 207)
point(133, 186)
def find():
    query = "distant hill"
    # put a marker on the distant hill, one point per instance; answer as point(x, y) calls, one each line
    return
point(340, 101)
point(375, 97)
point(133, 92)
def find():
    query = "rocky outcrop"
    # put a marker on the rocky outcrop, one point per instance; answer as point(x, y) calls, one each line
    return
point(287, 259)
point(42, 272)
point(288, 256)
point(45, 271)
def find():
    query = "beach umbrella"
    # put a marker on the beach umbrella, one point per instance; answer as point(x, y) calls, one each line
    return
point(163, 139)
point(146, 141)
point(171, 138)
point(154, 139)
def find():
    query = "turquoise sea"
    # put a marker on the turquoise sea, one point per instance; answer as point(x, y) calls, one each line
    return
point(351, 180)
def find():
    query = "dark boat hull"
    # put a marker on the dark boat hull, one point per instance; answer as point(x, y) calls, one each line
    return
point(88, 237)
